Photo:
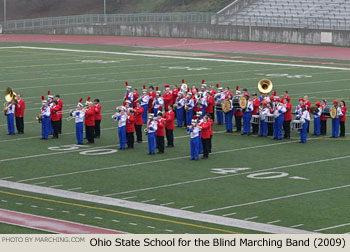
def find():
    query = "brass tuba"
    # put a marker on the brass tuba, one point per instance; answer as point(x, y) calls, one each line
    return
point(10, 97)
point(265, 86)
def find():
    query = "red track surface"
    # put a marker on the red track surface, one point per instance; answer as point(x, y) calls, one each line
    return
point(327, 52)
point(49, 224)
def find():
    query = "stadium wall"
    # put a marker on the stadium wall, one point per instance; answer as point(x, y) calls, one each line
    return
point(206, 31)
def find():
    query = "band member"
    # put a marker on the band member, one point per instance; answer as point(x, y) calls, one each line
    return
point(60, 113)
point(323, 119)
point(263, 113)
point(279, 111)
point(175, 92)
point(121, 118)
point(160, 133)
point(298, 107)
point(167, 97)
point(335, 121)
point(169, 117)
point(151, 128)
point(152, 95)
point(342, 118)
point(180, 104)
point(130, 128)
point(79, 115)
point(287, 116)
point(285, 96)
point(45, 119)
point(211, 90)
point(202, 103)
point(90, 122)
point(211, 104)
point(245, 91)
point(138, 121)
point(247, 116)
point(317, 119)
point(205, 137)
point(219, 96)
point(189, 105)
point(129, 95)
point(256, 104)
point(304, 116)
point(98, 118)
point(211, 122)
point(238, 113)
point(308, 107)
point(200, 122)
point(19, 114)
point(229, 116)
point(158, 103)
point(50, 104)
point(55, 118)
point(195, 139)
point(144, 104)
point(135, 97)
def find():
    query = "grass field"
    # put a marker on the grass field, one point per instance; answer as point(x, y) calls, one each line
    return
point(284, 184)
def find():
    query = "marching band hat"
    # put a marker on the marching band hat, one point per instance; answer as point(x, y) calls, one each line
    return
point(264, 103)
point(150, 116)
point(301, 99)
point(254, 94)
point(79, 103)
point(159, 113)
point(335, 102)
point(277, 99)
point(317, 103)
point(199, 113)
point(193, 121)
point(166, 85)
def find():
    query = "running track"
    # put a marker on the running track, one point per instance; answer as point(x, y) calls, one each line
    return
point(272, 49)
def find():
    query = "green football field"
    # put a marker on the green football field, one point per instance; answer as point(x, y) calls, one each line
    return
point(248, 185)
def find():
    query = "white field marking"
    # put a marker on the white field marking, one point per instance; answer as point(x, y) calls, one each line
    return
point(150, 227)
point(150, 200)
point(133, 224)
point(6, 178)
point(81, 214)
point(50, 209)
point(34, 206)
point(155, 209)
point(278, 198)
point(35, 228)
point(39, 183)
point(9, 47)
point(73, 189)
point(187, 207)
point(167, 204)
point(186, 58)
point(169, 230)
point(4, 201)
point(18, 203)
point(64, 211)
point(54, 186)
point(99, 218)
point(131, 197)
point(115, 221)
point(92, 191)
point(229, 214)
point(252, 218)
point(299, 178)
point(297, 225)
point(327, 228)
point(275, 221)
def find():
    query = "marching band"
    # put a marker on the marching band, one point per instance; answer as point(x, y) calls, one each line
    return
point(192, 108)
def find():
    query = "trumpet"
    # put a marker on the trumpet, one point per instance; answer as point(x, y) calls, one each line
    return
point(146, 130)
point(39, 118)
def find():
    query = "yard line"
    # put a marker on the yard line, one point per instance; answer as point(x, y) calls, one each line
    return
point(92, 191)
point(99, 218)
point(150, 227)
point(229, 214)
point(54, 186)
point(186, 58)
point(39, 183)
point(81, 214)
point(187, 207)
point(275, 221)
point(73, 189)
point(51, 209)
point(327, 228)
point(4, 201)
point(298, 225)
point(252, 218)
point(167, 204)
point(148, 200)
point(18, 203)
point(278, 198)
point(34, 206)
point(133, 224)
point(131, 197)
point(155, 209)
point(64, 211)
point(7, 178)
point(115, 221)
point(169, 230)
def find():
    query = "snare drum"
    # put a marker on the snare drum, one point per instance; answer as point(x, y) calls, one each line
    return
point(327, 111)
point(255, 119)
point(297, 124)
point(270, 118)
point(219, 105)
point(235, 102)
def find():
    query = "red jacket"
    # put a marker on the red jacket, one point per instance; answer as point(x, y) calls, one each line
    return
point(90, 117)
point(205, 132)
point(151, 95)
point(343, 117)
point(238, 112)
point(60, 104)
point(136, 96)
point(169, 116)
point(168, 99)
point(20, 107)
point(175, 94)
point(160, 129)
point(288, 113)
point(130, 124)
point(308, 104)
point(54, 113)
point(212, 92)
point(282, 100)
point(256, 105)
point(211, 103)
point(98, 116)
point(138, 116)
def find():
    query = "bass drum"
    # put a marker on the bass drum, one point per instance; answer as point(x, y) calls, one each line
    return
point(219, 105)
point(235, 102)
point(297, 124)
point(327, 111)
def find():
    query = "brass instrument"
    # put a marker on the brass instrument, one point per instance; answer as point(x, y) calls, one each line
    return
point(313, 109)
point(265, 86)
point(10, 97)
point(39, 118)
point(146, 130)
point(186, 108)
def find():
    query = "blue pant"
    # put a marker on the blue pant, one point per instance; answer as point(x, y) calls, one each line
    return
point(155, 111)
point(79, 132)
point(151, 139)
point(195, 147)
point(317, 126)
point(228, 120)
point(45, 127)
point(303, 132)
point(277, 127)
point(189, 117)
point(247, 116)
point(180, 117)
point(203, 110)
point(263, 128)
point(122, 137)
point(11, 124)
point(335, 127)
point(220, 117)
point(145, 113)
